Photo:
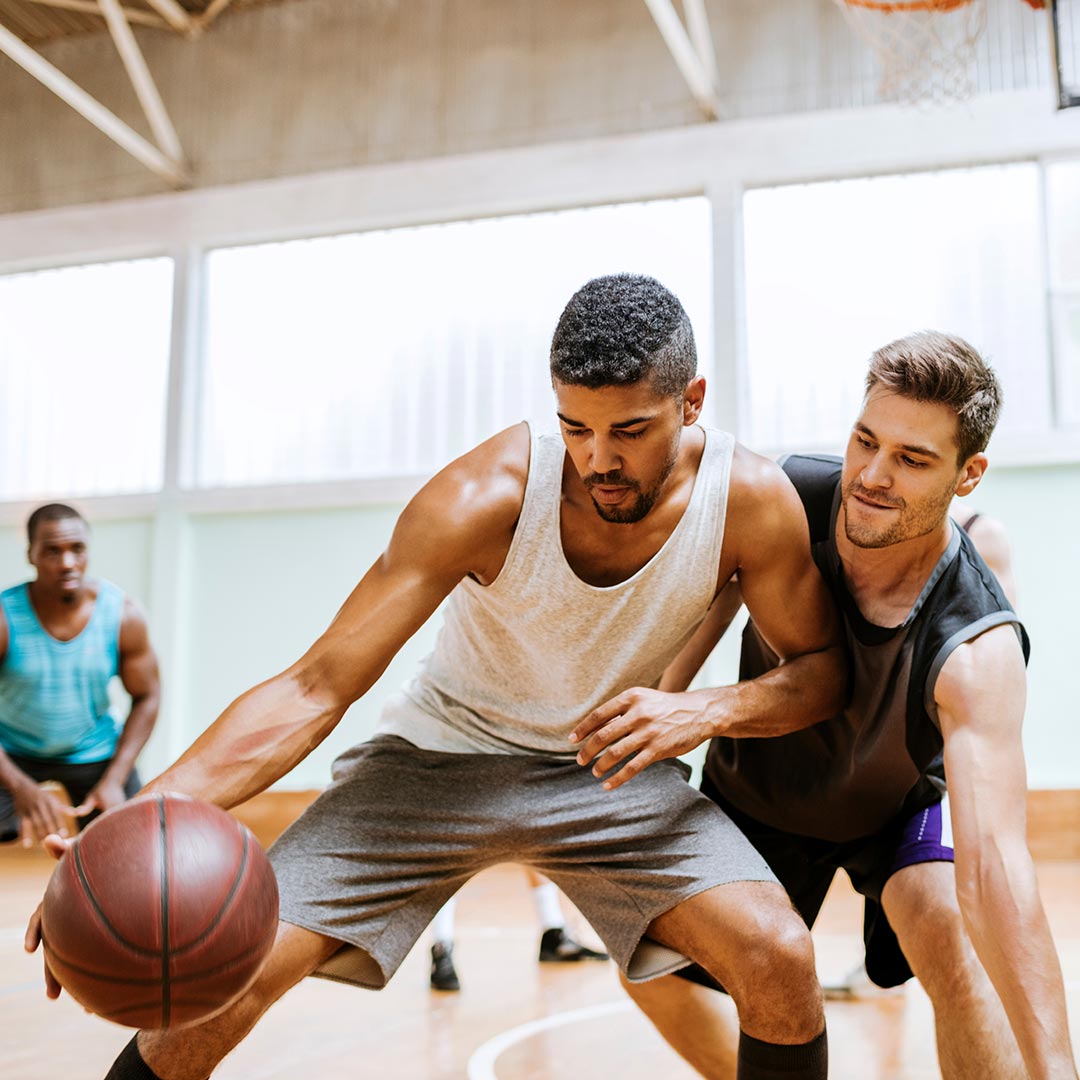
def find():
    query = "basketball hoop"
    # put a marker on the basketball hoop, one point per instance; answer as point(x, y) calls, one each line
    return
point(926, 47)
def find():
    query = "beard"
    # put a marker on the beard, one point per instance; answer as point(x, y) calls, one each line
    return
point(646, 498)
point(911, 522)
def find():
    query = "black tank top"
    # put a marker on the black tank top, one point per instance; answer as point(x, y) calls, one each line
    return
point(848, 776)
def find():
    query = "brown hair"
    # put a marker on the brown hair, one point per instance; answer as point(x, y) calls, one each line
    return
point(931, 366)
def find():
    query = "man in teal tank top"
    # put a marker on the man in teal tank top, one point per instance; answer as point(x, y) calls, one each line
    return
point(63, 637)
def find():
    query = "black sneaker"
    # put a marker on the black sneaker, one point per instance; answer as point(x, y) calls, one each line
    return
point(443, 975)
point(557, 948)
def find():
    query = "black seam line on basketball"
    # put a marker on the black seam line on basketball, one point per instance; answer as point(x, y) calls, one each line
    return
point(216, 920)
point(126, 980)
point(164, 912)
point(84, 881)
point(124, 1009)
point(204, 973)
point(132, 980)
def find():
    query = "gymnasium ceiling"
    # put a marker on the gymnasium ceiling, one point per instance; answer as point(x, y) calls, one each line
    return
point(26, 26)
point(40, 21)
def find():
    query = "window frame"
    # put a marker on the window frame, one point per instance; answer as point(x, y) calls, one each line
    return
point(721, 161)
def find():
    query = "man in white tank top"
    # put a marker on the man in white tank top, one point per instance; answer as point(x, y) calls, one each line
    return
point(575, 569)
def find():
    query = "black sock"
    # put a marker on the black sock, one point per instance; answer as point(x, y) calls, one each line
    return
point(774, 1061)
point(130, 1065)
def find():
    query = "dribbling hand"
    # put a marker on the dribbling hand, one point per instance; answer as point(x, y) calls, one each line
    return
point(55, 846)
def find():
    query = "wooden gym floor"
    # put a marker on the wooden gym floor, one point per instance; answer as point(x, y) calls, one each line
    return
point(513, 1020)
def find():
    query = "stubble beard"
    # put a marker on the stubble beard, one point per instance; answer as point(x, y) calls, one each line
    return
point(909, 524)
point(645, 501)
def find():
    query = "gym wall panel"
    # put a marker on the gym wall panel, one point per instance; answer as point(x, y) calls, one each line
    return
point(1040, 508)
point(258, 588)
point(262, 587)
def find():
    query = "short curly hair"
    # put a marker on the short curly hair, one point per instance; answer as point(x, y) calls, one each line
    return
point(620, 329)
point(50, 512)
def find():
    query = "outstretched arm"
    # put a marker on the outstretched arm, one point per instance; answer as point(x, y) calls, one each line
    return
point(980, 696)
point(768, 544)
point(459, 522)
point(142, 680)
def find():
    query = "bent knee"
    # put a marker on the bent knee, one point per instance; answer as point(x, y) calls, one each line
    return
point(773, 946)
point(941, 955)
point(784, 945)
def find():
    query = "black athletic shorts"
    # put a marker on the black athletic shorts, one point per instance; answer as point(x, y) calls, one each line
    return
point(807, 866)
point(77, 781)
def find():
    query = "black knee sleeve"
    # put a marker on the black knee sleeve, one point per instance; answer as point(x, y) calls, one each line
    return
point(130, 1065)
point(773, 1061)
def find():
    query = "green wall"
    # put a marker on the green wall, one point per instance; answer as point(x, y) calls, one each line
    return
point(253, 590)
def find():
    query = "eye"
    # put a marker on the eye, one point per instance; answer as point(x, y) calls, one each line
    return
point(912, 463)
point(863, 441)
point(574, 432)
point(633, 434)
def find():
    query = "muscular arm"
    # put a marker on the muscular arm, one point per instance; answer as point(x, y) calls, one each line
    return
point(141, 678)
point(980, 696)
point(768, 544)
point(460, 523)
point(792, 610)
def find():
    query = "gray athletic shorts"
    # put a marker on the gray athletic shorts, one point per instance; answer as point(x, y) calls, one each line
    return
point(402, 829)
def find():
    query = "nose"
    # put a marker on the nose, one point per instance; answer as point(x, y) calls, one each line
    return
point(875, 473)
point(604, 457)
point(68, 560)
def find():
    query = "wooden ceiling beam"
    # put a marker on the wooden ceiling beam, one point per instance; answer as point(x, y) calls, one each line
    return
point(174, 15)
point(170, 170)
point(693, 67)
point(90, 7)
point(142, 81)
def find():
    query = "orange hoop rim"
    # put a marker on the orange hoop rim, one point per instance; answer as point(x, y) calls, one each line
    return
point(890, 6)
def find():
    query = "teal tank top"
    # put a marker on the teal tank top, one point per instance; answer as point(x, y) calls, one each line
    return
point(54, 695)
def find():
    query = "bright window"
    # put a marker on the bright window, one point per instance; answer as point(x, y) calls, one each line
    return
point(835, 270)
point(84, 357)
point(389, 353)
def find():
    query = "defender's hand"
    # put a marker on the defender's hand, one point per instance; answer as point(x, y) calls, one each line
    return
point(40, 813)
point(55, 846)
point(649, 724)
point(104, 795)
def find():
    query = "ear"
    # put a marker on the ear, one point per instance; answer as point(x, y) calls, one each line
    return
point(971, 474)
point(693, 398)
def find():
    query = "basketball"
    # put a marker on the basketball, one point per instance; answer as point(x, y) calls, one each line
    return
point(160, 913)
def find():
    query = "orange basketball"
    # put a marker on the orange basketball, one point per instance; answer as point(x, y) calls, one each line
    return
point(160, 913)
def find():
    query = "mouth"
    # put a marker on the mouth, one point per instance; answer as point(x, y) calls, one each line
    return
point(871, 503)
point(609, 495)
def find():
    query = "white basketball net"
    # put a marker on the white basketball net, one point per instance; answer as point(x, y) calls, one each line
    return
point(926, 47)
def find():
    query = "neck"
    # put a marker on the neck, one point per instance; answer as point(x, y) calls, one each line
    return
point(55, 601)
point(894, 570)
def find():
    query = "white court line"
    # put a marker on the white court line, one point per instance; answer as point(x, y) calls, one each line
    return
point(481, 1065)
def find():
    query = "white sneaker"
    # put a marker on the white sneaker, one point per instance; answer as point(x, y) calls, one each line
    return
point(857, 986)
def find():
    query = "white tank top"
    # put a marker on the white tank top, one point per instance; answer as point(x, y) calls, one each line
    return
point(520, 662)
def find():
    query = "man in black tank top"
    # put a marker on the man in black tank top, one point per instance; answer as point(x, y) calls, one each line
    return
point(937, 688)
